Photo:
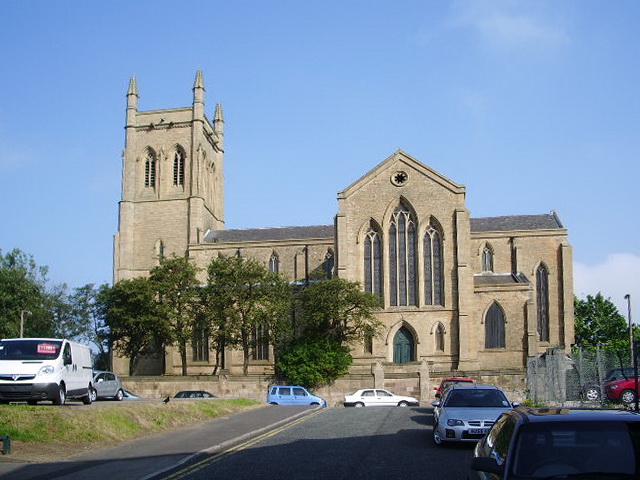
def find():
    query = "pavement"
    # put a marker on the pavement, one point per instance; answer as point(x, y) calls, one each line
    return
point(147, 457)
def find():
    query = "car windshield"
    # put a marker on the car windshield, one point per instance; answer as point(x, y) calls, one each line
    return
point(562, 448)
point(476, 397)
point(29, 349)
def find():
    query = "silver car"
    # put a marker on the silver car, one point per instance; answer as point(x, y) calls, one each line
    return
point(466, 412)
point(107, 385)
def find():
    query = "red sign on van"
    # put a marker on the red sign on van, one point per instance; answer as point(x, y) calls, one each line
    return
point(46, 348)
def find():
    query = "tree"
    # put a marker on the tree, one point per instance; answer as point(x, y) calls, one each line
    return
point(312, 362)
point(130, 311)
point(337, 309)
point(597, 322)
point(242, 296)
point(178, 295)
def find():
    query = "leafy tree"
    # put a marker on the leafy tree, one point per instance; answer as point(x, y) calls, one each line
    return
point(131, 313)
point(312, 362)
point(337, 309)
point(597, 322)
point(88, 322)
point(243, 296)
point(178, 296)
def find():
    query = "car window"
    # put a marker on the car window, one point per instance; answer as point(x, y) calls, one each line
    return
point(299, 392)
point(499, 438)
point(274, 390)
point(284, 391)
point(384, 393)
point(109, 377)
point(368, 393)
point(477, 397)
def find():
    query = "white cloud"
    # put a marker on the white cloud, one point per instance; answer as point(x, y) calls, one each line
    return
point(614, 278)
point(510, 25)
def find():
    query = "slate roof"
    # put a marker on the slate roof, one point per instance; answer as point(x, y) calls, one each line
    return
point(266, 234)
point(516, 222)
point(493, 279)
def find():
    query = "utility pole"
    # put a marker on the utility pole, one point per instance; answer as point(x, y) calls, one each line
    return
point(627, 297)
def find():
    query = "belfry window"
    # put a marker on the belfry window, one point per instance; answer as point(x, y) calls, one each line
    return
point(433, 267)
point(402, 257)
point(150, 171)
point(178, 167)
point(542, 302)
point(494, 327)
point(373, 261)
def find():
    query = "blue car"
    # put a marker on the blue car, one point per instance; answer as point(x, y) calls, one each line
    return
point(293, 395)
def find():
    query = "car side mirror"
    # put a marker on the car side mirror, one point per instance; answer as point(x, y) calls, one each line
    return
point(435, 404)
point(487, 464)
point(515, 404)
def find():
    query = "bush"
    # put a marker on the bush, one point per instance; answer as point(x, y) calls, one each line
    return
point(314, 362)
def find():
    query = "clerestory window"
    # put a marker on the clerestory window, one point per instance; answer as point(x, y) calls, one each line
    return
point(150, 170)
point(178, 168)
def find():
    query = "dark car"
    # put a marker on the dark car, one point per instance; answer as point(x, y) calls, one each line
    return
point(194, 394)
point(553, 443)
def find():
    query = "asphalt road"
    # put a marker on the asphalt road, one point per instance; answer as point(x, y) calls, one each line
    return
point(339, 443)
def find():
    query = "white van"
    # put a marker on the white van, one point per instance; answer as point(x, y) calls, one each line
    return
point(38, 369)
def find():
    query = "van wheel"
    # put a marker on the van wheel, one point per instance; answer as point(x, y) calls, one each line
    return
point(61, 396)
point(88, 398)
point(119, 396)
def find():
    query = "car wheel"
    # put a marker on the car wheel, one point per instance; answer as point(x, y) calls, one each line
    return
point(119, 395)
point(61, 396)
point(315, 404)
point(359, 405)
point(592, 393)
point(628, 396)
point(403, 404)
point(436, 435)
point(94, 395)
point(273, 403)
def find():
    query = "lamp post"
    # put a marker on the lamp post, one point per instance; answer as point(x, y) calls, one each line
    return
point(22, 312)
point(627, 297)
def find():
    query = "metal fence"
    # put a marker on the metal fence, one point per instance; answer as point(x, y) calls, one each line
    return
point(555, 378)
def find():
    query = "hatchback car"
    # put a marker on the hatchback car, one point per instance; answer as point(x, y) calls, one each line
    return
point(466, 412)
point(447, 382)
point(553, 443)
point(194, 394)
point(293, 395)
point(377, 397)
point(107, 385)
point(622, 390)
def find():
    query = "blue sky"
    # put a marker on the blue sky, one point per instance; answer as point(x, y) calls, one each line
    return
point(533, 105)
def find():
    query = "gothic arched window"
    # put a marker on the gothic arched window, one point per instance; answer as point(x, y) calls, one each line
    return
point(261, 343)
point(487, 259)
point(402, 257)
point(494, 327)
point(373, 261)
point(329, 263)
point(150, 170)
point(178, 167)
point(433, 267)
point(274, 263)
point(542, 302)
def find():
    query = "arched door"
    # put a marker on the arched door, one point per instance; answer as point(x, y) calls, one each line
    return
point(403, 346)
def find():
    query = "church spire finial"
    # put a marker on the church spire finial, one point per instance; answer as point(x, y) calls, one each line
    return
point(198, 88)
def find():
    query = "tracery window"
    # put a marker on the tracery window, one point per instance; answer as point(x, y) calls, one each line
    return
point(433, 267)
point(494, 327)
point(373, 261)
point(402, 257)
point(150, 170)
point(274, 263)
point(542, 302)
point(178, 167)
point(261, 343)
point(200, 345)
point(487, 259)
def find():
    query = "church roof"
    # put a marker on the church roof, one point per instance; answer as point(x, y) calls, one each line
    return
point(499, 279)
point(516, 222)
point(265, 234)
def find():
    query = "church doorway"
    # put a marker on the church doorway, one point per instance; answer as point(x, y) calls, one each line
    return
point(403, 346)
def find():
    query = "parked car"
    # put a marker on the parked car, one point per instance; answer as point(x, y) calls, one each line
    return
point(293, 395)
point(622, 390)
point(194, 394)
point(591, 390)
point(447, 382)
point(533, 444)
point(466, 412)
point(377, 397)
point(107, 385)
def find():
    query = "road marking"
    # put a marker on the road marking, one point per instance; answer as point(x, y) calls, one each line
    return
point(207, 462)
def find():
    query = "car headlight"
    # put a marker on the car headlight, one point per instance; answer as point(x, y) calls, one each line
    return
point(614, 387)
point(46, 370)
point(452, 422)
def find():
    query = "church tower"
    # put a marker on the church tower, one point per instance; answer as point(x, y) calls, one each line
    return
point(172, 182)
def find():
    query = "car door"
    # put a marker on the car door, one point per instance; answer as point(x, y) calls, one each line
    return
point(368, 397)
point(110, 384)
point(385, 398)
point(299, 396)
point(100, 385)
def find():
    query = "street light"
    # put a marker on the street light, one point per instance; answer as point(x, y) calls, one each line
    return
point(627, 297)
point(22, 312)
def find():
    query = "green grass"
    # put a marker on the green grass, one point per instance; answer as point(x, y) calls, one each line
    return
point(108, 424)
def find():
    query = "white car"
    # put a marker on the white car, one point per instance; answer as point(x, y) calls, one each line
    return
point(374, 397)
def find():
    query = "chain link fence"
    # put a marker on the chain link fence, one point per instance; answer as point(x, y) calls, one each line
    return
point(577, 379)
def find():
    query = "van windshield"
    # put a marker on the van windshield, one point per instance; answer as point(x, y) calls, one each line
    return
point(29, 349)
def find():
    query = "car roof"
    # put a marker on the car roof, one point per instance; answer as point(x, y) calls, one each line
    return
point(458, 379)
point(473, 386)
point(540, 415)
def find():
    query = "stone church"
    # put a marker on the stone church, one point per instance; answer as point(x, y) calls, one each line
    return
point(458, 293)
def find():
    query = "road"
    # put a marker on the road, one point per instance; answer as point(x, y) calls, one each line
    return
point(339, 443)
